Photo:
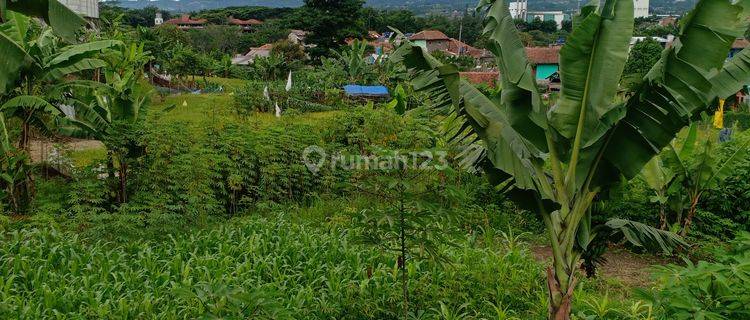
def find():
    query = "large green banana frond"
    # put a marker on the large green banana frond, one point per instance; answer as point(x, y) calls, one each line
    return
point(591, 64)
point(642, 235)
point(15, 27)
point(14, 56)
point(678, 87)
point(85, 50)
point(16, 104)
point(511, 157)
point(89, 122)
point(4, 139)
point(734, 75)
point(64, 21)
point(70, 67)
point(520, 100)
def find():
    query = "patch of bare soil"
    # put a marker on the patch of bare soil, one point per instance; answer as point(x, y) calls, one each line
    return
point(631, 269)
point(41, 149)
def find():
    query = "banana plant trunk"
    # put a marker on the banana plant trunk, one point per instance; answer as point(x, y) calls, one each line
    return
point(690, 216)
point(560, 298)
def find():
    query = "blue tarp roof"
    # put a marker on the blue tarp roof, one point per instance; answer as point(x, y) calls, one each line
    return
point(370, 91)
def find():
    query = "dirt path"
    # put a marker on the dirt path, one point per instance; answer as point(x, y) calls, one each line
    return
point(41, 149)
point(629, 268)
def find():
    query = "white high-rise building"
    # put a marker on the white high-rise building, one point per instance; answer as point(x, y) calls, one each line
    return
point(518, 9)
point(158, 20)
point(86, 8)
point(641, 8)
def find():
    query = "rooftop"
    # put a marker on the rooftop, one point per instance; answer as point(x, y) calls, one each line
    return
point(240, 22)
point(543, 55)
point(740, 43)
point(185, 19)
point(489, 78)
point(429, 35)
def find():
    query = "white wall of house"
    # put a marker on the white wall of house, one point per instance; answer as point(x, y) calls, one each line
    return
point(86, 8)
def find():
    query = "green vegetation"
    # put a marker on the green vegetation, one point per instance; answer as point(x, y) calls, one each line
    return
point(556, 159)
point(265, 192)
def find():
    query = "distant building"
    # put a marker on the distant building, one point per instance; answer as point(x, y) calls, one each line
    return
point(557, 16)
point(184, 22)
point(297, 36)
point(263, 51)
point(432, 40)
point(664, 42)
point(86, 8)
point(519, 10)
point(158, 20)
point(246, 25)
point(545, 61)
point(641, 8)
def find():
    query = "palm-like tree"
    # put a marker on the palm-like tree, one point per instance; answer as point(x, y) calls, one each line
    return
point(556, 159)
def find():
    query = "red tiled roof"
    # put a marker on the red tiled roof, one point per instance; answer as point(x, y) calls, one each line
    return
point(429, 35)
point(240, 22)
point(543, 55)
point(489, 78)
point(740, 43)
point(185, 19)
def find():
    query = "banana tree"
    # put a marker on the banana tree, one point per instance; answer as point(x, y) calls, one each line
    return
point(556, 159)
point(110, 111)
point(63, 21)
point(693, 169)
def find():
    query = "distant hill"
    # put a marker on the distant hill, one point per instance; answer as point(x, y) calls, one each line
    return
point(418, 6)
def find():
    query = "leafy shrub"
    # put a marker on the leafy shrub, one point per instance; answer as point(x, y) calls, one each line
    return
point(302, 97)
point(731, 199)
point(742, 119)
point(706, 290)
point(362, 129)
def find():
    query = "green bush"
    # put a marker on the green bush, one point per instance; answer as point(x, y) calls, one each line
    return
point(742, 119)
point(304, 97)
point(730, 201)
point(706, 290)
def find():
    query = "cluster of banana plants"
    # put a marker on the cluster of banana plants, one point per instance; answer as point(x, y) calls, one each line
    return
point(35, 60)
point(557, 159)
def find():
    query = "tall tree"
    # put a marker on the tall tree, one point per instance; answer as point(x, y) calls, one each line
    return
point(330, 22)
point(555, 160)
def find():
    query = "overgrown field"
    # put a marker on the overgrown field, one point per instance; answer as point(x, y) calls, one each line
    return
point(284, 263)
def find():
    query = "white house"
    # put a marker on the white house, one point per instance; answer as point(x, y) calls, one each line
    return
point(86, 8)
